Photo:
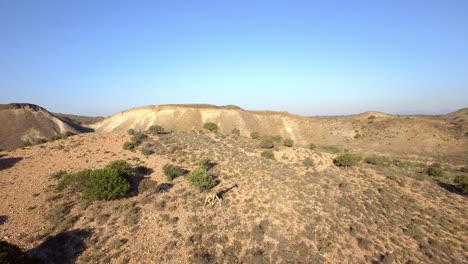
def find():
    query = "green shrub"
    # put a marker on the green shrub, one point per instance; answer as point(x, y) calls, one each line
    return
point(122, 167)
point(68, 134)
point(58, 175)
point(56, 137)
point(372, 117)
point(75, 182)
point(138, 137)
point(200, 179)
point(462, 181)
point(254, 135)
point(347, 160)
point(146, 151)
point(147, 185)
point(210, 126)
point(131, 131)
point(205, 164)
point(129, 146)
point(155, 129)
point(288, 142)
point(235, 131)
point(268, 154)
point(312, 146)
point(435, 169)
point(172, 171)
point(308, 162)
point(266, 142)
point(106, 184)
point(12, 254)
point(41, 141)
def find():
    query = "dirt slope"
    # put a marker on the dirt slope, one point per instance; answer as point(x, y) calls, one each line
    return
point(22, 123)
point(440, 137)
point(273, 211)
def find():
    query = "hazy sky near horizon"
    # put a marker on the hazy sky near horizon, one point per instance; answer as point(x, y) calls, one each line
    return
point(306, 57)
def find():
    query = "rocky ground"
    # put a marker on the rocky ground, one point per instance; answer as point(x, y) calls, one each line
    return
point(272, 211)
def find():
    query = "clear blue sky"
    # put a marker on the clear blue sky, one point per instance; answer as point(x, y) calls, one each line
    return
point(305, 57)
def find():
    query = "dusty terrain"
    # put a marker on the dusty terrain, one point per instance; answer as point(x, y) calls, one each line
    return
point(442, 137)
point(273, 211)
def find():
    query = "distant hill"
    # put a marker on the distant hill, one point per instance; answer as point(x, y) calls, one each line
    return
point(441, 136)
point(28, 124)
point(80, 120)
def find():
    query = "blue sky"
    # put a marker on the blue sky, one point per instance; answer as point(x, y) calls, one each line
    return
point(304, 57)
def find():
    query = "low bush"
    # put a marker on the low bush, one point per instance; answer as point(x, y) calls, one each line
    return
point(172, 171)
point(112, 182)
point(155, 129)
point(129, 146)
point(312, 146)
point(147, 185)
point(12, 254)
point(58, 175)
point(131, 131)
point(372, 117)
point(347, 160)
point(254, 135)
point(41, 141)
point(288, 142)
point(462, 181)
point(308, 162)
point(200, 179)
point(146, 151)
point(435, 170)
point(268, 154)
point(210, 127)
point(266, 142)
point(235, 131)
point(106, 184)
point(138, 137)
point(205, 164)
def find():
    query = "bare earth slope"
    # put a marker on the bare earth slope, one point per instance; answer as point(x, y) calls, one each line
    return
point(22, 123)
point(442, 137)
point(273, 211)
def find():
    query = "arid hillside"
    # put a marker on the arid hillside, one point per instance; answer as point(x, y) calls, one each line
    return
point(24, 124)
point(279, 205)
point(443, 137)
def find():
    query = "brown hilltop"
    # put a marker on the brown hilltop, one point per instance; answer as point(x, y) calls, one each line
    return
point(23, 123)
point(368, 132)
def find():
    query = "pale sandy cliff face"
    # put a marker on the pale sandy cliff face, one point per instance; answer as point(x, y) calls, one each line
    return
point(25, 123)
point(410, 135)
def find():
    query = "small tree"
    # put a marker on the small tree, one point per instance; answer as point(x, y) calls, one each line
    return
point(210, 127)
point(254, 135)
point(268, 154)
point(346, 160)
point(288, 142)
point(172, 171)
point(200, 179)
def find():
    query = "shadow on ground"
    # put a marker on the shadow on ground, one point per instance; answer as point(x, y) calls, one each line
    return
point(6, 163)
point(451, 188)
point(3, 219)
point(63, 248)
